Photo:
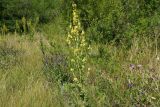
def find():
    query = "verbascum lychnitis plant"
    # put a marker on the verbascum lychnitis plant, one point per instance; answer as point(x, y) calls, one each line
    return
point(78, 46)
point(78, 56)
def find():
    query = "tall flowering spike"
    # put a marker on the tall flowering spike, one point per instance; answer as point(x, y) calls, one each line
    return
point(78, 46)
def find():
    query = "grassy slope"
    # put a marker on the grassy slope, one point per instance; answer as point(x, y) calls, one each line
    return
point(22, 82)
point(110, 82)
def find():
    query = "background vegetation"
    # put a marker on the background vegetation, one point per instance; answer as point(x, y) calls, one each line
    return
point(122, 66)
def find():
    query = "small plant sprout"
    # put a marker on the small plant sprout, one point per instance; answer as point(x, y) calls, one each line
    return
point(4, 29)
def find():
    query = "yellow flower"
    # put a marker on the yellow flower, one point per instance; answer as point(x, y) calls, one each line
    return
point(82, 32)
point(84, 59)
point(69, 36)
point(75, 79)
point(68, 41)
point(72, 60)
point(89, 69)
point(89, 48)
point(72, 69)
point(153, 98)
point(74, 5)
point(77, 43)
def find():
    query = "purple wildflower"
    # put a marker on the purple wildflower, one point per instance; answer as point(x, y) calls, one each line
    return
point(132, 67)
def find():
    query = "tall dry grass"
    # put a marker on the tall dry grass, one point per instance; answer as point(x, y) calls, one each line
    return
point(118, 76)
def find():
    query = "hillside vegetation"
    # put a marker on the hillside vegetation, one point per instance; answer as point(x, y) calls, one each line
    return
point(79, 53)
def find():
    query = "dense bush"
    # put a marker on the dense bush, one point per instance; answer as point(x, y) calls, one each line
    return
point(107, 20)
point(12, 10)
point(103, 20)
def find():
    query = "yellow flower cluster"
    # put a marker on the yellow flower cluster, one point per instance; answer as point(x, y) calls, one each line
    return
point(77, 43)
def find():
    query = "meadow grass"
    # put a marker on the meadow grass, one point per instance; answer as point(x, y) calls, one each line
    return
point(118, 76)
point(23, 83)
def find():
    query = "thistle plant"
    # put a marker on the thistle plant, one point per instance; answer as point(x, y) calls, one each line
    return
point(78, 46)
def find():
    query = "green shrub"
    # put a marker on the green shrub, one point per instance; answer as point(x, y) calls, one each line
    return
point(12, 10)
